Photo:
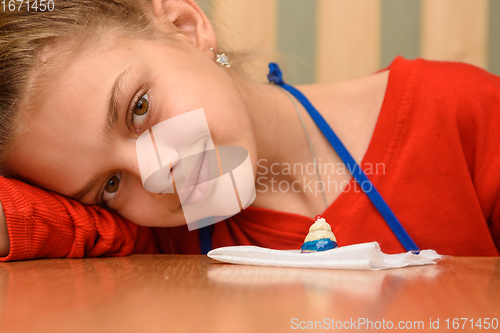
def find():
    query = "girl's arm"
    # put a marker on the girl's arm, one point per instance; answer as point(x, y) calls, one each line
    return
point(4, 235)
point(41, 224)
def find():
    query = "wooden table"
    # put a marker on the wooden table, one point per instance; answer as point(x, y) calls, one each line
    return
point(174, 293)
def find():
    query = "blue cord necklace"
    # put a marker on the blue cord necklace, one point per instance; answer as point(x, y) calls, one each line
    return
point(275, 76)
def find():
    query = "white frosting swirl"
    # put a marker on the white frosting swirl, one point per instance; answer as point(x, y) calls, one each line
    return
point(320, 229)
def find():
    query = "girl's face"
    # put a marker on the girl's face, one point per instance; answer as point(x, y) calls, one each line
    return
point(81, 139)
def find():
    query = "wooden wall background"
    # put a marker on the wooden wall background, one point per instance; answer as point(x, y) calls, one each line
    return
point(329, 40)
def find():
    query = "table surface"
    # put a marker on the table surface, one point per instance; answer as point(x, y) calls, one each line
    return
point(193, 293)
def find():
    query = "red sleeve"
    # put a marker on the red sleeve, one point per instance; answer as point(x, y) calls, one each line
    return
point(478, 120)
point(487, 167)
point(464, 100)
point(43, 224)
point(495, 222)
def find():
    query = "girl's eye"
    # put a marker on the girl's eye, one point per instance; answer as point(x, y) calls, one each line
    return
point(140, 111)
point(111, 187)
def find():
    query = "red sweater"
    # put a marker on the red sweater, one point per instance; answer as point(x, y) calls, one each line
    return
point(438, 136)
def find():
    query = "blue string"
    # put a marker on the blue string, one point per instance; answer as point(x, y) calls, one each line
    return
point(205, 239)
point(276, 77)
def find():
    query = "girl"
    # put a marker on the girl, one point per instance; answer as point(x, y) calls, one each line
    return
point(80, 84)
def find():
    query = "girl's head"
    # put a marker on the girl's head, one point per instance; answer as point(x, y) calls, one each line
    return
point(81, 83)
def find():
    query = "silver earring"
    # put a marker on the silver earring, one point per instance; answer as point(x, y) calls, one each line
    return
point(222, 59)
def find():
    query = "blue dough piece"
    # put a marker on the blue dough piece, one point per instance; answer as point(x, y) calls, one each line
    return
point(318, 245)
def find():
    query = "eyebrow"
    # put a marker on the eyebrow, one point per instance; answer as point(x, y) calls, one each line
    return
point(115, 97)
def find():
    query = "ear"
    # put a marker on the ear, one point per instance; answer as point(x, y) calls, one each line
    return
point(187, 18)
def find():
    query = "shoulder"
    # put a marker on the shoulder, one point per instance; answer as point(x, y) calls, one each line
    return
point(462, 101)
point(459, 81)
point(450, 91)
point(453, 120)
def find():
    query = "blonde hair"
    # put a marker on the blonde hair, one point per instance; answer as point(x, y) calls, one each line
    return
point(27, 34)
point(71, 28)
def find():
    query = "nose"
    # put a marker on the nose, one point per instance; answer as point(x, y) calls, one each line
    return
point(157, 195)
point(155, 164)
point(161, 179)
point(157, 182)
point(158, 149)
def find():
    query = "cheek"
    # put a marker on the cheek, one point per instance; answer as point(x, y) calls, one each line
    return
point(228, 118)
point(143, 209)
point(184, 83)
point(230, 129)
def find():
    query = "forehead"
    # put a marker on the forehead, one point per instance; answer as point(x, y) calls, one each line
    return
point(80, 87)
point(63, 133)
point(59, 64)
